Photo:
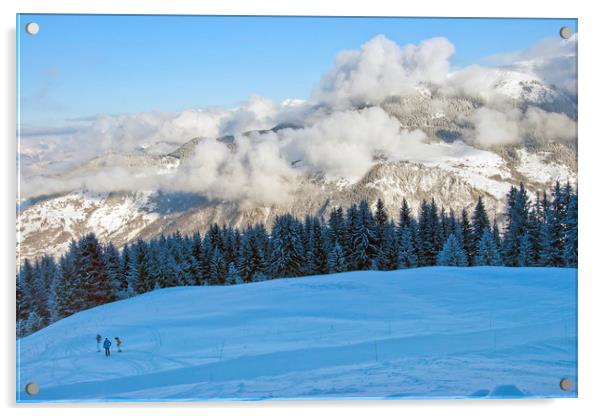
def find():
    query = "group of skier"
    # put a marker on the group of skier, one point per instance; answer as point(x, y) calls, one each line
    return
point(107, 344)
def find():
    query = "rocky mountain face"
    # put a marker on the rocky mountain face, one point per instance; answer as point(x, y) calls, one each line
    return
point(46, 225)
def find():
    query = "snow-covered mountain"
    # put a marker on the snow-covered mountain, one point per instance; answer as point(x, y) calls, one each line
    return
point(437, 332)
point(455, 172)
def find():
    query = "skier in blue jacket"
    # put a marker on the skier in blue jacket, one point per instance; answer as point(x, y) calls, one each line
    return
point(107, 346)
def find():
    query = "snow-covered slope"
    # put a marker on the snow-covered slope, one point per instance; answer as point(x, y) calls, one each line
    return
point(429, 332)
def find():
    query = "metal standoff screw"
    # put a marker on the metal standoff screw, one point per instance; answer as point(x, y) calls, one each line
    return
point(566, 32)
point(32, 389)
point(566, 384)
point(32, 28)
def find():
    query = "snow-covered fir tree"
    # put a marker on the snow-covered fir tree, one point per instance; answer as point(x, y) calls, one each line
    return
point(287, 250)
point(143, 281)
point(218, 269)
point(252, 259)
point(92, 272)
point(571, 233)
point(318, 248)
point(336, 227)
point(233, 277)
point(487, 253)
point(113, 269)
point(480, 222)
point(406, 257)
point(525, 252)
point(363, 241)
point(517, 216)
point(336, 259)
point(452, 253)
point(558, 207)
point(54, 309)
point(387, 255)
point(465, 236)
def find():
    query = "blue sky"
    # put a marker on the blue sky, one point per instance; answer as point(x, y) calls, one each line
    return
point(79, 66)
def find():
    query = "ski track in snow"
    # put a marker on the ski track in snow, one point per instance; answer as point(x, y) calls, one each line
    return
point(419, 333)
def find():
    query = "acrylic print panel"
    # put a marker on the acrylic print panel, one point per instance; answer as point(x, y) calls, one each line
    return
point(242, 208)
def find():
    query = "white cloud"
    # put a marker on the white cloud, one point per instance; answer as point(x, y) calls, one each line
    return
point(553, 127)
point(344, 144)
point(255, 171)
point(382, 68)
point(554, 60)
point(497, 128)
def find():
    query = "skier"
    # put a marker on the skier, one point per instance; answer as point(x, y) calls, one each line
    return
point(98, 339)
point(118, 343)
point(107, 346)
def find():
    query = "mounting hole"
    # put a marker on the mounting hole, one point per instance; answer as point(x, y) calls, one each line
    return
point(565, 384)
point(32, 389)
point(32, 28)
point(566, 32)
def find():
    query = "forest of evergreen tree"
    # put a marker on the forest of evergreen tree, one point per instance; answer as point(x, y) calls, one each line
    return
point(539, 233)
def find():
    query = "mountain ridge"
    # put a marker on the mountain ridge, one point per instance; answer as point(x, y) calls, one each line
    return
point(461, 173)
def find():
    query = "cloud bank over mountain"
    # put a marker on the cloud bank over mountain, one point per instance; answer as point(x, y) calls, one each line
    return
point(382, 68)
point(554, 60)
point(339, 132)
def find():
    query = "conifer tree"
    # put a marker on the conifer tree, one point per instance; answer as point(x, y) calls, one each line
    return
point(387, 257)
point(71, 296)
point(173, 272)
point(495, 232)
point(351, 223)
point(427, 251)
point(407, 250)
point(34, 322)
point(23, 300)
point(42, 276)
point(362, 239)
point(319, 248)
point(54, 308)
point(205, 263)
point(571, 232)
point(306, 238)
point(287, 250)
point(218, 269)
point(92, 272)
point(449, 224)
point(466, 239)
point(438, 228)
point(525, 255)
point(381, 222)
point(487, 253)
point(405, 216)
point(556, 223)
point(25, 283)
point(232, 277)
point(336, 259)
point(113, 269)
point(452, 253)
point(517, 214)
point(336, 227)
point(252, 260)
point(143, 281)
point(129, 266)
point(545, 245)
point(480, 223)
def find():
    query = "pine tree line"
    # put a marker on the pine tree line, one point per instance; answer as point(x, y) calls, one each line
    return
point(539, 233)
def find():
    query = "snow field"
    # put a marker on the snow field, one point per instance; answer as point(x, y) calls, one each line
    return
point(419, 333)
